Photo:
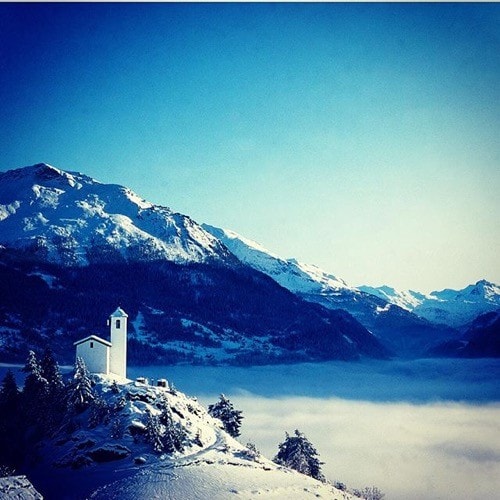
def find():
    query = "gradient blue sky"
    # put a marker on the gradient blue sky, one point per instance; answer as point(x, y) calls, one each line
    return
point(363, 138)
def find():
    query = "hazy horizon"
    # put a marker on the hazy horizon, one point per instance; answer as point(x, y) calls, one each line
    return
point(362, 138)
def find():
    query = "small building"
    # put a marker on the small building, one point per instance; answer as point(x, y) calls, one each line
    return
point(95, 352)
point(103, 356)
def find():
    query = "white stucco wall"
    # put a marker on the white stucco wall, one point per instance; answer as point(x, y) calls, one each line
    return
point(96, 358)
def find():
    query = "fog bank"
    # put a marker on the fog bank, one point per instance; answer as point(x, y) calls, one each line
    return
point(439, 450)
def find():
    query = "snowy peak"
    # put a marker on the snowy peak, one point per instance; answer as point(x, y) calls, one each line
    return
point(289, 273)
point(71, 219)
point(451, 307)
point(45, 174)
point(407, 299)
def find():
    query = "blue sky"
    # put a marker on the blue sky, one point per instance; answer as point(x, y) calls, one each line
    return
point(359, 137)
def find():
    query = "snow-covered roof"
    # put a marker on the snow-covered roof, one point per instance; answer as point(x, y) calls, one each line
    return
point(93, 337)
point(17, 487)
point(119, 313)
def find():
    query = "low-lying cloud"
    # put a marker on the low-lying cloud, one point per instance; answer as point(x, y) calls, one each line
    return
point(419, 429)
point(431, 451)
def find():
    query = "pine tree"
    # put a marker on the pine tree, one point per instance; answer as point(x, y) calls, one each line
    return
point(297, 453)
point(32, 366)
point(173, 436)
point(117, 429)
point(10, 422)
point(9, 393)
point(225, 412)
point(53, 405)
point(49, 370)
point(35, 392)
point(153, 432)
point(81, 393)
point(100, 412)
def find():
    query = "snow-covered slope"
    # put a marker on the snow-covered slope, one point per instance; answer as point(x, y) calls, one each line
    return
point(291, 274)
point(95, 461)
point(71, 219)
point(407, 299)
point(450, 307)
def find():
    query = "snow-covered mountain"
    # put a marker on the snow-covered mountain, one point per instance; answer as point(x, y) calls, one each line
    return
point(402, 331)
point(71, 249)
point(451, 307)
point(109, 454)
point(71, 219)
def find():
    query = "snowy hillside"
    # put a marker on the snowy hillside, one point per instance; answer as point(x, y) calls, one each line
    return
point(71, 219)
point(109, 453)
point(291, 274)
point(407, 299)
point(450, 307)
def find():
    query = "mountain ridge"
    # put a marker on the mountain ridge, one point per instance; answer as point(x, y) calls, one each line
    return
point(65, 236)
point(455, 308)
point(72, 219)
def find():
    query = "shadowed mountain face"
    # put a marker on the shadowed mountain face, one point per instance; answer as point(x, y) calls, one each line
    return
point(72, 249)
point(481, 340)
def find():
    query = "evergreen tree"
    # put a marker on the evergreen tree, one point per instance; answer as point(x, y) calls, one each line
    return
point(11, 442)
point(81, 393)
point(153, 432)
point(225, 412)
point(297, 453)
point(49, 370)
point(173, 435)
point(117, 429)
point(32, 365)
point(100, 412)
point(34, 393)
point(9, 394)
point(53, 405)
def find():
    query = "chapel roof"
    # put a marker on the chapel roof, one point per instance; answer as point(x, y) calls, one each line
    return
point(93, 337)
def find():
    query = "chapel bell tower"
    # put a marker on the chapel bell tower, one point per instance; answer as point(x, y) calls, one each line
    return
point(118, 337)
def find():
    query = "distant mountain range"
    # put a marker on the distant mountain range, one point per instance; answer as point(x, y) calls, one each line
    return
point(409, 323)
point(71, 248)
point(450, 307)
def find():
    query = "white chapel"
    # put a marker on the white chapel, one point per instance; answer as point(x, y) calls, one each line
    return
point(108, 357)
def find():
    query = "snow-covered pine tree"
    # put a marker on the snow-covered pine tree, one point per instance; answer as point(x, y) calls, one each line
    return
point(49, 370)
point(173, 436)
point(153, 432)
point(80, 393)
point(100, 412)
point(35, 391)
point(117, 429)
point(54, 404)
point(225, 412)
point(32, 365)
point(296, 452)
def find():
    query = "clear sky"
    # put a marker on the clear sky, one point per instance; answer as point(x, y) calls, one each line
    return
point(363, 138)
